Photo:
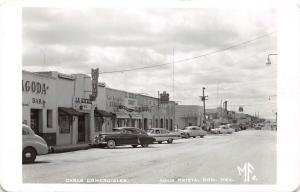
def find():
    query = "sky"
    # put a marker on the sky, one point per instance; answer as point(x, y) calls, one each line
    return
point(198, 44)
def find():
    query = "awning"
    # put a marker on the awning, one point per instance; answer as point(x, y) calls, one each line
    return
point(69, 111)
point(136, 116)
point(103, 113)
point(122, 116)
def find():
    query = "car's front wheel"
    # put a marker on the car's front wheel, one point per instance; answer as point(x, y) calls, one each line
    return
point(170, 140)
point(111, 144)
point(159, 142)
point(134, 146)
point(29, 155)
point(201, 136)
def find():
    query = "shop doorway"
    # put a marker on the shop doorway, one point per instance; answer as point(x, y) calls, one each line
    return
point(161, 123)
point(145, 124)
point(36, 120)
point(81, 129)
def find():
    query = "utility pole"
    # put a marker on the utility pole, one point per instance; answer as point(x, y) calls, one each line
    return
point(173, 77)
point(276, 121)
point(203, 98)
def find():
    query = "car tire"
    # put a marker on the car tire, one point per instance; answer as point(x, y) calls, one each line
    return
point(29, 155)
point(111, 144)
point(201, 136)
point(145, 145)
point(134, 146)
point(170, 140)
point(159, 142)
point(187, 136)
point(194, 137)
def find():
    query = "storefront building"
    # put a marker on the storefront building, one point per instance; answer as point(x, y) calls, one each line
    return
point(58, 108)
point(188, 115)
point(140, 111)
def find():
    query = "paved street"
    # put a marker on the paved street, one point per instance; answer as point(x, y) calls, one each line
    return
point(213, 159)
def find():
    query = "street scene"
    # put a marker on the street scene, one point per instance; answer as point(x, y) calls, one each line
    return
point(149, 96)
point(209, 160)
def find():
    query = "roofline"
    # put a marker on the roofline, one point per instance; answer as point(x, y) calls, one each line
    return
point(38, 74)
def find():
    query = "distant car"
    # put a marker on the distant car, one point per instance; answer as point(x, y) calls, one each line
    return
point(192, 131)
point(123, 136)
point(235, 127)
point(223, 129)
point(32, 145)
point(244, 126)
point(258, 126)
point(160, 135)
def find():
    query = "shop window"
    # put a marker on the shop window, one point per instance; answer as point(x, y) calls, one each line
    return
point(119, 122)
point(171, 124)
point(65, 122)
point(167, 124)
point(98, 123)
point(49, 119)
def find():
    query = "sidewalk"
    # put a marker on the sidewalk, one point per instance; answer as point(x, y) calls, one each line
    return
point(68, 148)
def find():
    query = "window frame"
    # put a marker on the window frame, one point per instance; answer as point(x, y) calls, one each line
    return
point(51, 120)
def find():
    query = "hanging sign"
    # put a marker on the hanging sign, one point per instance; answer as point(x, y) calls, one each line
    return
point(95, 75)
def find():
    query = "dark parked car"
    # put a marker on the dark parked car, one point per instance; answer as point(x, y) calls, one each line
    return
point(123, 136)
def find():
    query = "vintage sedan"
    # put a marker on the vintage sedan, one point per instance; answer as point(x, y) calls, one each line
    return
point(223, 129)
point(33, 145)
point(234, 126)
point(123, 136)
point(160, 135)
point(192, 131)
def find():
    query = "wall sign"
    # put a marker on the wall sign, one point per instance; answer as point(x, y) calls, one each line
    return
point(34, 87)
point(82, 104)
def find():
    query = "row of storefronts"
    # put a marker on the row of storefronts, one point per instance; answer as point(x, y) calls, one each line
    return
point(59, 108)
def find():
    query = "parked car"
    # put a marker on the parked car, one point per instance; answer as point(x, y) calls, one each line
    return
point(258, 126)
point(235, 127)
point(160, 135)
point(223, 129)
point(32, 145)
point(123, 136)
point(192, 131)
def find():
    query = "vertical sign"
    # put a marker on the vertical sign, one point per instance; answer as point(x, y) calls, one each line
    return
point(95, 75)
point(241, 109)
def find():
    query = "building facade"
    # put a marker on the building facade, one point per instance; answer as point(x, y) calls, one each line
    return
point(188, 115)
point(58, 108)
point(140, 111)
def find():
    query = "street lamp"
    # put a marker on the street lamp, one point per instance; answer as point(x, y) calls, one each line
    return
point(268, 59)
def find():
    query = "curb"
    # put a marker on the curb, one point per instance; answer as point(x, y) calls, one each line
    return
point(62, 149)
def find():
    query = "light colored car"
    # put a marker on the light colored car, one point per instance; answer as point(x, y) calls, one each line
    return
point(223, 129)
point(192, 131)
point(235, 127)
point(160, 135)
point(33, 145)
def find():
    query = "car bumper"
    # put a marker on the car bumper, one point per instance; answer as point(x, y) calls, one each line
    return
point(100, 142)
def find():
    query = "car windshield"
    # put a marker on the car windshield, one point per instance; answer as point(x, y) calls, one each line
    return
point(149, 131)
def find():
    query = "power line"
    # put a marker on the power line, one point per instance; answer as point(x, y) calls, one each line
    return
point(192, 58)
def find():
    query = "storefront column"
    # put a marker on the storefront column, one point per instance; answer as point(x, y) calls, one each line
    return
point(74, 130)
point(26, 114)
point(92, 125)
